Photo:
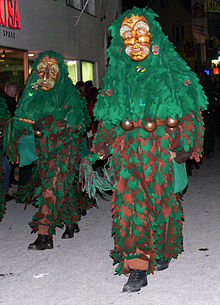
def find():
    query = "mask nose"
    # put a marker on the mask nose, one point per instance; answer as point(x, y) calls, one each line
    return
point(46, 73)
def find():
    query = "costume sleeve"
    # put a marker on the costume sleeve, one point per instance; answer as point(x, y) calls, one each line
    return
point(188, 139)
point(102, 140)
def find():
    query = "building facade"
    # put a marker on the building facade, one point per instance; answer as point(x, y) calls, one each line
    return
point(74, 28)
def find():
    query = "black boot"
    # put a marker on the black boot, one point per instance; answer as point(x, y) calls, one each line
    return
point(83, 212)
point(41, 243)
point(70, 229)
point(162, 264)
point(137, 279)
point(69, 232)
point(76, 228)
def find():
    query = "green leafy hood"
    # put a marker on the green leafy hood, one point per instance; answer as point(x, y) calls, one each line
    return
point(62, 101)
point(160, 90)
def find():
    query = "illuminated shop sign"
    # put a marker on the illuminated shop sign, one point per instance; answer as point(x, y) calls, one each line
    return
point(9, 14)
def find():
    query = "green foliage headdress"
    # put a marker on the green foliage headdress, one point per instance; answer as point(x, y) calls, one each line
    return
point(62, 101)
point(161, 85)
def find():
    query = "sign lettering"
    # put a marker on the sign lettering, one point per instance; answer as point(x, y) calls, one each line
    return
point(9, 14)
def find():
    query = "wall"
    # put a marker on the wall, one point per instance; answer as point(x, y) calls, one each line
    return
point(49, 25)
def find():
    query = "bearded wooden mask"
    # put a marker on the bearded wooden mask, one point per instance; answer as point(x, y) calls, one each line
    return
point(47, 72)
point(136, 37)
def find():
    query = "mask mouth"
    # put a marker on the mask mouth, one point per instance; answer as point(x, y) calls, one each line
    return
point(136, 50)
point(49, 84)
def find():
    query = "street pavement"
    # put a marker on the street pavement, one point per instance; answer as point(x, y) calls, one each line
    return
point(79, 271)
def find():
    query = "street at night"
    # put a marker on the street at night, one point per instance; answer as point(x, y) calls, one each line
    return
point(79, 271)
point(109, 152)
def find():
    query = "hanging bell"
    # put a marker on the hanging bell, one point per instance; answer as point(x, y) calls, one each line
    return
point(38, 134)
point(172, 122)
point(127, 125)
point(150, 126)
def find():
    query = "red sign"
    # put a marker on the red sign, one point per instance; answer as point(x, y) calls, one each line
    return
point(216, 70)
point(9, 14)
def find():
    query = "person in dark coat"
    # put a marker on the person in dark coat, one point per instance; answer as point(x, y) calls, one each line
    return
point(11, 90)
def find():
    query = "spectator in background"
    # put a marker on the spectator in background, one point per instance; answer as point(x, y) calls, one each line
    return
point(91, 98)
point(11, 90)
point(88, 85)
point(80, 85)
point(4, 116)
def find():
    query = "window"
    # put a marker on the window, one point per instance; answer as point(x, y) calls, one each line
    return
point(87, 71)
point(72, 69)
point(80, 70)
point(79, 4)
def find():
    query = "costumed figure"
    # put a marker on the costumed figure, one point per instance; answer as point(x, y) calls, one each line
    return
point(52, 116)
point(4, 116)
point(149, 108)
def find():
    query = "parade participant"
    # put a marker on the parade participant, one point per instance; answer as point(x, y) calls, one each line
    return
point(149, 108)
point(51, 109)
point(4, 116)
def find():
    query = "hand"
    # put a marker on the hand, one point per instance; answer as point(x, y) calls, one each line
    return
point(182, 155)
point(38, 126)
point(101, 154)
point(103, 151)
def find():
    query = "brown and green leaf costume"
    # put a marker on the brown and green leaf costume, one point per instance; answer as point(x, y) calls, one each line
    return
point(147, 214)
point(4, 116)
point(63, 115)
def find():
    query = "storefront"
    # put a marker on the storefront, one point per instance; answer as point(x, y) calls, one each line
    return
point(15, 65)
point(23, 37)
point(12, 63)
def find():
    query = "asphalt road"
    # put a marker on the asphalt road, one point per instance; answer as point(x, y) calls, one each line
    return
point(79, 271)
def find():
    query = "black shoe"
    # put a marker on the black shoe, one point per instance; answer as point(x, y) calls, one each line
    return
point(9, 197)
point(69, 232)
point(41, 243)
point(76, 227)
point(137, 280)
point(70, 229)
point(83, 212)
point(162, 264)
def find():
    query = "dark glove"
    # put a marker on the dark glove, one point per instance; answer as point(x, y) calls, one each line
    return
point(182, 155)
point(103, 151)
point(38, 125)
point(99, 165)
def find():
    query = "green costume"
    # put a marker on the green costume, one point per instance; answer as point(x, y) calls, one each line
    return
point(62, 115)
point(147, 214)
point(4, 116)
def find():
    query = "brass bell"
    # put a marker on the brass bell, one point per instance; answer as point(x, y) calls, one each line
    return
point(150, 126)
point(127, 125)
point(38, 133)
point(172, 122)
